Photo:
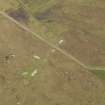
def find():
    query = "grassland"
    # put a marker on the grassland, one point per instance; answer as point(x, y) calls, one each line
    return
point(100, 74)
point(58, 80)
point(7, 4)
point(38, 6)
point(68, 20)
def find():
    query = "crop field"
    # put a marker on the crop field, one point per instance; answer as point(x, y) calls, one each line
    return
point(52, 52)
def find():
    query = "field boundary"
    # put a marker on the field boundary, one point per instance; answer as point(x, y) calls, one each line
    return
point(50, 44)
